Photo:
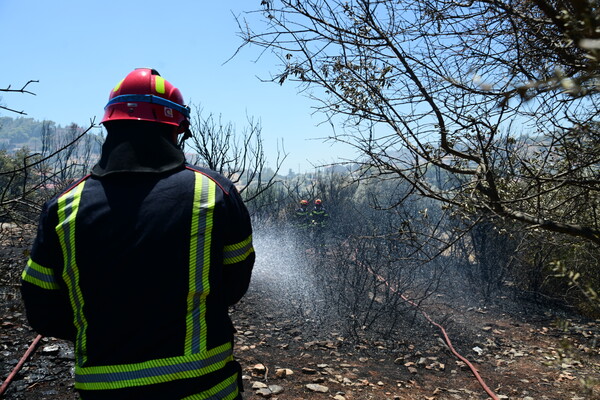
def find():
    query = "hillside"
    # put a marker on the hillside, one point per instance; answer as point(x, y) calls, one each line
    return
point(17, 133)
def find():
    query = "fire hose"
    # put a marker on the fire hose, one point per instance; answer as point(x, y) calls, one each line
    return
point(19, 365)
point(444, 334)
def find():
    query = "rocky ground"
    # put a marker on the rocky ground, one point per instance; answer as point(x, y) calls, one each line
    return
point(520, 353)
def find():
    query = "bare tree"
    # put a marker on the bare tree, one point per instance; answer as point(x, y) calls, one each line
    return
point(23, 89)
point(240, 157)
point(498, 95)
point(29, 178)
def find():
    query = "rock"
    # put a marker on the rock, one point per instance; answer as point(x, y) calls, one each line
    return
point(283, 372)
point(66, 353)
point(259, 385)
point(266, 393)
point(51, 349)
point(276, 389)
point(317, 388)
point(339, 397)
point(259, 369)
point(309, 371)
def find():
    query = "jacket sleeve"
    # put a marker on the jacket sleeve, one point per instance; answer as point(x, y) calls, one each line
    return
point(43, 290)
point(238, 254)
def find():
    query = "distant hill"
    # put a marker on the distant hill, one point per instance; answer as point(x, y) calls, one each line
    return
point(17, 133)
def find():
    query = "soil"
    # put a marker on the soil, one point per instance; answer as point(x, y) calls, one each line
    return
point(521, 352)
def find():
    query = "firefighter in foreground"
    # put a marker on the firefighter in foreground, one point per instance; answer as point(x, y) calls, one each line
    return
point(138, 262)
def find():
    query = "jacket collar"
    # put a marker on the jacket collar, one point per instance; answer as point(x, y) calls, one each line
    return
point(141, 150)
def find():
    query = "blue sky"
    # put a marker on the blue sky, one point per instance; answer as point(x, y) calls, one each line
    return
point(79, 50)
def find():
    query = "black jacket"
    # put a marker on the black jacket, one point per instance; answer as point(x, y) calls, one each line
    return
point(138, 269)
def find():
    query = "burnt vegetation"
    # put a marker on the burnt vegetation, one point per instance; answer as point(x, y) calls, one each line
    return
point(477, 126)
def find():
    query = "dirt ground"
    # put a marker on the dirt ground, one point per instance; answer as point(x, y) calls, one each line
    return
point(520, 353)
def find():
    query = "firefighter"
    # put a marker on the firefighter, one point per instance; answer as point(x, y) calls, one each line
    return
point(319, 219)
point(303, 216)
point(138, 262)
point(319, 215)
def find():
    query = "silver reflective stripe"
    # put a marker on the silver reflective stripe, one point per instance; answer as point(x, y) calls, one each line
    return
point(68, 205)
point(38, 275)
point(199, 263)
point(238, 252)
point(152, 371)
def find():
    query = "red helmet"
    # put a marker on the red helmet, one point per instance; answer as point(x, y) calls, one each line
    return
point(145, 95)
point(303, 202)
point(318, 201)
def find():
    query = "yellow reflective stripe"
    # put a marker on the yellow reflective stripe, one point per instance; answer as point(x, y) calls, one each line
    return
point(105, 377)
point(238, 252)
point(159, 84)
point(116, 89)
point(226, 390)
point(40, 276)
point(68, 205)
point(200, 241)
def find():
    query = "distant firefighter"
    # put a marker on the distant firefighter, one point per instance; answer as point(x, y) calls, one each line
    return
point(319, 215)
point(303, 215)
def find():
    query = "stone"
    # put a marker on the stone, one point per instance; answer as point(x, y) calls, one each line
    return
point(51, 349)
point(281, 373)
point(66, 353)
point(276, 389)
point(259, 385)
point(259, 369)
point(314, 387)
point(266, 393)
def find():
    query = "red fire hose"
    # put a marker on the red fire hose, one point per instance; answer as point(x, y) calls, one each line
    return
point(17, 368)
point(444, 333)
